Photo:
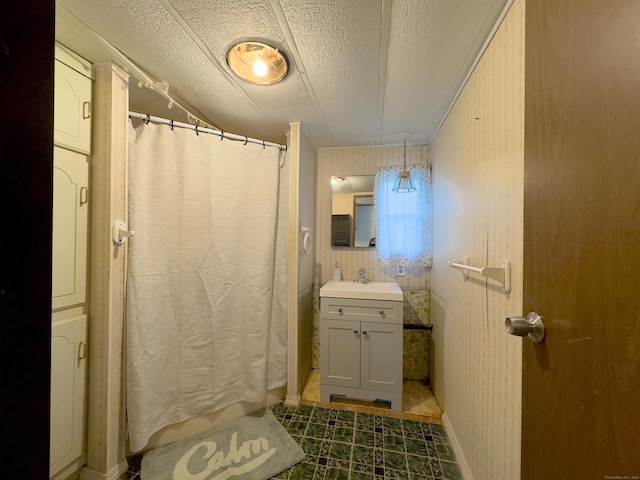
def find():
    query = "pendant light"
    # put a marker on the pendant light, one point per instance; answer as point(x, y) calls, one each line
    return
point(404, 184)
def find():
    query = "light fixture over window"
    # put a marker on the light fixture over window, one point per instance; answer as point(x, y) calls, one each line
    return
point(403, 183)
point(258, 62)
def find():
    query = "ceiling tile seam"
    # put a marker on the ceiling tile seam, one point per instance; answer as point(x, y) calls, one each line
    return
point(383, 61)
point(295, 53)
point(203, 48)
point(497, 21)
point(134, 69)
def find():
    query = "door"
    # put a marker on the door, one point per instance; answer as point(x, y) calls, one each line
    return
point(340, 352)
point(581, 386)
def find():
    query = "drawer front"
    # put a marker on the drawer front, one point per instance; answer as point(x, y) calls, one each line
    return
point(368, 310)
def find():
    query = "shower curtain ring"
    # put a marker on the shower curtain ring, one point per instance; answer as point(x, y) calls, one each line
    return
point(197, 131)
point(171, 125)
point(246, 139)
point(147, 119)
point(263, 145)
point(221, 135)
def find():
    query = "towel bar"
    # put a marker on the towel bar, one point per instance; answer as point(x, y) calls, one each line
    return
point(501, 274)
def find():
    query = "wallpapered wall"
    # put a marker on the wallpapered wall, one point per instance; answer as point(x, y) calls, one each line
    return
point(478, 175)
point(357, 161)
point(366, 161)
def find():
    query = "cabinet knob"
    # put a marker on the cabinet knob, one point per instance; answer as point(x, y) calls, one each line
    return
point(364, 332)
point(355, 330)
point(340, 311)
point(381, 313)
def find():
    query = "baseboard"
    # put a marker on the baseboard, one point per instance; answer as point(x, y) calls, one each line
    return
point(460, 458)
point(292, 400)
point(70, 472)
point(88, 474)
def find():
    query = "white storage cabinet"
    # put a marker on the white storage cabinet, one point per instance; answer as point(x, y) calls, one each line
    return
point(72, 145)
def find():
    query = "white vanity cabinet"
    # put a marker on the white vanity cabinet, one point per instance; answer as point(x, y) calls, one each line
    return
point(361, 350)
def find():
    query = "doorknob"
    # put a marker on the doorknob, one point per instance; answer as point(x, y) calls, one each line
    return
point(531, 326)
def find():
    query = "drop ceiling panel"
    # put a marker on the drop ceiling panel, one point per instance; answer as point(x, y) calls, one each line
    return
point(345, 86)
point(339, 48)
point(433, 45)
point(221, 24)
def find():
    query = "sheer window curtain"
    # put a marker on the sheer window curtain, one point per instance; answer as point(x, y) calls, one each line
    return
point(403, 220)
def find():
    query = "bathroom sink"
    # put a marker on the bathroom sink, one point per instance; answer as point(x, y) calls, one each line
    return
point(365, 291)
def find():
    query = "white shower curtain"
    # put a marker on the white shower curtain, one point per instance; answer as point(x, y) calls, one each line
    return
point(207, 276)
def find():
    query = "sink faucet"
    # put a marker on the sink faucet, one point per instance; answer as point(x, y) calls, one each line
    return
point(362, 278)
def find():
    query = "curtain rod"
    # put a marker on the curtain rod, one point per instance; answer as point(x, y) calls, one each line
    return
point(223, 135)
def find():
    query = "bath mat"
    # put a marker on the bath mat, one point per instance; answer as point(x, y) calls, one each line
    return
point(254, 447)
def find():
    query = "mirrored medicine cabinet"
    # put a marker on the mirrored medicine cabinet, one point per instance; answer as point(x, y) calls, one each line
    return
point(353, 217)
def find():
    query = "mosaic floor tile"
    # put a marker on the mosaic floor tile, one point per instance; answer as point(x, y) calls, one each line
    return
point(350, 445)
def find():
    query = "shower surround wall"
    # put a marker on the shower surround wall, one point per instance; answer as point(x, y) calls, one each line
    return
point(478, 178)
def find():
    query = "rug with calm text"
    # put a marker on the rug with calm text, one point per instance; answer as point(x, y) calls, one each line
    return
point(254, 447)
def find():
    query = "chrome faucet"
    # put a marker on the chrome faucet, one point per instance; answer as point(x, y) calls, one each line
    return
point(362, 278)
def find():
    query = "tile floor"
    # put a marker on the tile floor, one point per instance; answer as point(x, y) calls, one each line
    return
point(418, 401)
point(352, 445)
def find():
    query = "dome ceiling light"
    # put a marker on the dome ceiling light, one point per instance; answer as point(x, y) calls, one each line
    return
point(258, 62)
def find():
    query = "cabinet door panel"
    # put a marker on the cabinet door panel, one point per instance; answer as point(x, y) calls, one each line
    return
point(72, 104)
point(381, 356)
point(340, 353)
point(70, 213)
point(67, 391)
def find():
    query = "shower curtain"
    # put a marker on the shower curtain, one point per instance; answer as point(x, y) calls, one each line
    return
point(206, 310)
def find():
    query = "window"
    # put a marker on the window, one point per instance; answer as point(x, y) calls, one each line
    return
point(403, 230)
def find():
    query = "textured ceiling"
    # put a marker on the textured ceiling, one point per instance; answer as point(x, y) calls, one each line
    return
point(363, 71)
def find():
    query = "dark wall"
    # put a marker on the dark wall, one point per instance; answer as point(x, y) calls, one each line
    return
point(26, 158)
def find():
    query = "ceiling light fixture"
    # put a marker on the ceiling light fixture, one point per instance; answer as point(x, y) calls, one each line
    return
point(404, 184)
point(257, 62)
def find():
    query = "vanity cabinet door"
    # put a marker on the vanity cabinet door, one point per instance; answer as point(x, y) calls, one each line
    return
point(381, 356)
point(340, 353)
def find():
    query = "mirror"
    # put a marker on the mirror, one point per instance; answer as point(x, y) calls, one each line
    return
point(353, 216)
